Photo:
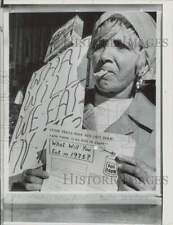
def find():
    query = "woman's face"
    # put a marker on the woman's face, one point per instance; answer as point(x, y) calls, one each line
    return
point(115, 61)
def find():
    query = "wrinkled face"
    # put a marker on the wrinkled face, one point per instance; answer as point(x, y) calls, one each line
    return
point(115, 60)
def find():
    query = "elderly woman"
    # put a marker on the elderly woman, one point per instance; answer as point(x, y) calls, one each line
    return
point(121, 55)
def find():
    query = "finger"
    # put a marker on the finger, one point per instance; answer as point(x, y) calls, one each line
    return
point(38, 172)
point(33, 179)
point(32, 187)
point(125, 187)
point(122, 186)
point(132, 182)
point(130, 160)
point(132, 170)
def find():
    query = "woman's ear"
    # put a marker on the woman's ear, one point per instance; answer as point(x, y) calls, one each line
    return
point(142, 66)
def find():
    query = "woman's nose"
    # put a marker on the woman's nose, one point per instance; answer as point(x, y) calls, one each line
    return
point(105, 53)
point(108, 52)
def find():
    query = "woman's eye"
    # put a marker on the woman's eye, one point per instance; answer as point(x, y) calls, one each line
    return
point(120, 45)
point(99, 44)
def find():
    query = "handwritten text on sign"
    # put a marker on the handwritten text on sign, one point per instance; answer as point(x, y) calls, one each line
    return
point(54, 95)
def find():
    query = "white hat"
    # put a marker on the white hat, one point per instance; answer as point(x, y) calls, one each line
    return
point(145, 27)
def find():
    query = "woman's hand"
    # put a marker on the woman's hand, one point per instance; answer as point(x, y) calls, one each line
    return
point(30, 180)
point(134, 174)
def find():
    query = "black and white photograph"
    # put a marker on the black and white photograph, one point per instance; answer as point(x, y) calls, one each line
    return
point(105, 68)
point(85, 114)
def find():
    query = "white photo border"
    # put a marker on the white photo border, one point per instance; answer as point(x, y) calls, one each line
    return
point(140, 195)
point(167, 112)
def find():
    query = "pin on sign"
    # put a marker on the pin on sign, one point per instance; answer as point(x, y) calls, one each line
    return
point(96, 147)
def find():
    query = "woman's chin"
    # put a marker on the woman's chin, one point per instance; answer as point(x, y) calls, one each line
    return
point(103, 88)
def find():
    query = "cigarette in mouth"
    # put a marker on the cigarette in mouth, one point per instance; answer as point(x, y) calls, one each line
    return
point(100, 73)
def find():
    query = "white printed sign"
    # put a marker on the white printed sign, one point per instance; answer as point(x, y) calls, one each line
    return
point(82, 160)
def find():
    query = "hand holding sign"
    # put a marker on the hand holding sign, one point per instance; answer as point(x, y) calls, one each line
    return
point(135, 175)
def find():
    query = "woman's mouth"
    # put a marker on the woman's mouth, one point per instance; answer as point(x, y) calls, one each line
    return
point(98, 76)
point(102, 74)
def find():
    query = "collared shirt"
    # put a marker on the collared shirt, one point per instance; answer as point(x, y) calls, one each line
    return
point(106, 113)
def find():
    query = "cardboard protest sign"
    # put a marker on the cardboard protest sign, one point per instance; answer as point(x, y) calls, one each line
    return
point(55, 95)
